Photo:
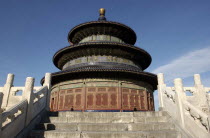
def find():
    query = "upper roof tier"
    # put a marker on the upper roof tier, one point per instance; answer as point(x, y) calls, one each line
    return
point(102, 28)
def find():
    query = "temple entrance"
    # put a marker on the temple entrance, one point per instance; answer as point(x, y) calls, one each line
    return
point(102, 98)
point(134, 99)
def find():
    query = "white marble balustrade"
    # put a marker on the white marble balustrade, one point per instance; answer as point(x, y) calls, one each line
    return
point(17, 116)
point(191, 113)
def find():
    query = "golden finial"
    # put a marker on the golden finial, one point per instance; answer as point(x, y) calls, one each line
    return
point(102, 11)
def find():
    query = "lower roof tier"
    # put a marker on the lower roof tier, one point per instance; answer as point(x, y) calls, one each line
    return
point(100, 72)
point(126, 51)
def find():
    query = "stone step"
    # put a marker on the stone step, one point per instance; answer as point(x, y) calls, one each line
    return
point(54, 134)
point(106, 127)
point(108, 114)
point(140, 119)
point(84, 134)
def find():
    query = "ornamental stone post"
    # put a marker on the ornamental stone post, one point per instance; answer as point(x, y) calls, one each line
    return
point(180, 98)
point(27, 94)
point(7, 88)
point(1, 98)
point(47, 82)
point(200, 94)
point(161, 89)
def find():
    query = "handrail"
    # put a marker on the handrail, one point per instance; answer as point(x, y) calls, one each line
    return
point(197, 114)
point(170, 94)
point(13, 112)
point(39, 94)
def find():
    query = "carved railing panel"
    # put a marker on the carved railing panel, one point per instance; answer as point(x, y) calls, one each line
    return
point(169, 101)
point(39, 94)
point(197, 115)
point(39, 100)
point(170, 94)
point(12, 117)
point(12, 113)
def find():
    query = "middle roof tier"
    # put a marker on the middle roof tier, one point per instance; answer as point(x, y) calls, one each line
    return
point(98, 53)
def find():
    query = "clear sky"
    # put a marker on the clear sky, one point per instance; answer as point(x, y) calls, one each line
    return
point(175, 32)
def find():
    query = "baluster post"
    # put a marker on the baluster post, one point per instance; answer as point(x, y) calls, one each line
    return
point(1, 99)
point(7, 89)
point(200, 94)
point(180, 99)
point(28, 94)
point(47, 82)
point(161, 89)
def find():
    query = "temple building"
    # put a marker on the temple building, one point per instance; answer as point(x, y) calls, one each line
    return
point(102, 70)
point(101, 83)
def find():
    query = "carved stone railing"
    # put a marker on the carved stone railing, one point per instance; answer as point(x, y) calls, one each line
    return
point(197, 115)
point(39, 100)
point(10, 93)
point(39, 94)
point(191, 113)
point(13, 119)
point(21, 115)
point(169, 92)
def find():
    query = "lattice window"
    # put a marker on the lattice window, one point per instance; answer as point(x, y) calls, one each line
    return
point(133, 91)
point(90, 100)
point(113, 99)
point(111, 89)
point(70, 91)
point(101, 89)
point(62, 92)
point(78, 90)
point(78, 99)
point(91, 89)
point(125, 90)
point(61, 102)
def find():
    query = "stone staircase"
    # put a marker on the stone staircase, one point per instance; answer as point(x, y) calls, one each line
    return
point(106, 125)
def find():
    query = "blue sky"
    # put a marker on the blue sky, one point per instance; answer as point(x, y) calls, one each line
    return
point(175, 33)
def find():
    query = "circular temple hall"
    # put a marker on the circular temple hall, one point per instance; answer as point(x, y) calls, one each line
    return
point(102, 70)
